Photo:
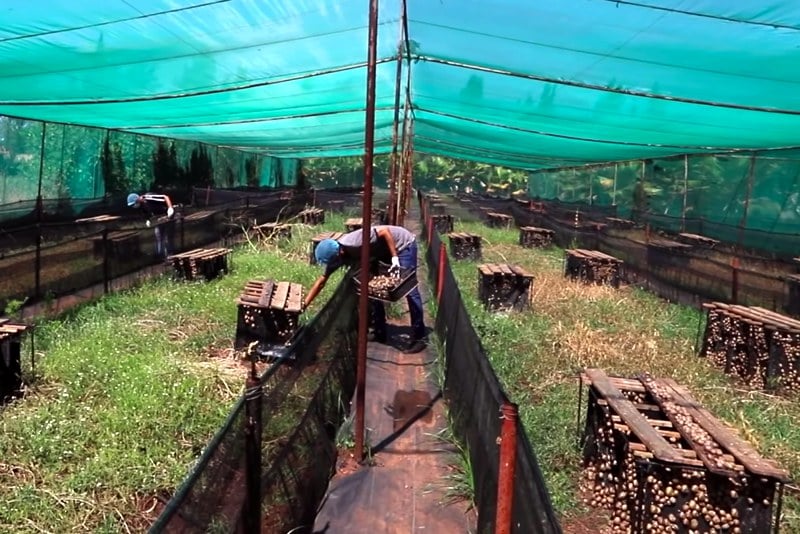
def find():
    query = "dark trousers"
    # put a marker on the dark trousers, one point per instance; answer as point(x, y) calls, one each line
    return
point(408, 259)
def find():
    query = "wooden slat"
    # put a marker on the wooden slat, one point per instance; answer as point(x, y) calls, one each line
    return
point(485, 269)
point(697, 447)
point(736, 446)
point(279, 296)
point(266, 293)
point(635, 420)
point(295, 301)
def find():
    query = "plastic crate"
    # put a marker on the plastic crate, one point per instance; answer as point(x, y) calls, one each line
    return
point(406, 282)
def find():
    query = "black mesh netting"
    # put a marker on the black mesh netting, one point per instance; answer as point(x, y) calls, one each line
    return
point(301, 409)
point(475, 413)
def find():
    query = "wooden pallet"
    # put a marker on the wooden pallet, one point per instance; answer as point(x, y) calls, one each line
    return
point(465, 246)
point(119, 245)
point(592, 266)
point(534, 237)
point(98, 219)
point(697, 240)
point(759, 346)
point(503, 287)
point(793, 292)
point(645, 435)
point(616, 222)
point(353, 224)
point(312, 216)
point(443, 223)
point(201, 263)
point(268, 312)
point(274, 231)
point(312, 260)
point(11, 333)
point(499, 220)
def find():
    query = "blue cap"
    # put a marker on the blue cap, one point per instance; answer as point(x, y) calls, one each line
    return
point(326, 251)
point(132, 198)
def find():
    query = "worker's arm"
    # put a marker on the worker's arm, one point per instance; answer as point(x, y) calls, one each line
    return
point(384, 232)
point(170, 210)
point(314, 291)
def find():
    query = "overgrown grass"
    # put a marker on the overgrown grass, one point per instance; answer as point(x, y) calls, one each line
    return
point(538, 353)
point(129, 391)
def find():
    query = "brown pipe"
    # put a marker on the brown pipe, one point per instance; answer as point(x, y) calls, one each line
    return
point(393, 174)
point(366, 217)
point(507, 468)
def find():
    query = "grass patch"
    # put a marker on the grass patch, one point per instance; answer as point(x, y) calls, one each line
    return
point(129, 390)
point(537, 354)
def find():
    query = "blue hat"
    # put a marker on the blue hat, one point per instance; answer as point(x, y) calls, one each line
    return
point(132, 198)
point(326, 251)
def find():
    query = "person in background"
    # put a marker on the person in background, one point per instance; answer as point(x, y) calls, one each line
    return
point(155, 205)
point(389, 244)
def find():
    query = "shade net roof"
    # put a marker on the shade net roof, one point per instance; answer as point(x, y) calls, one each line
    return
point(511, 82)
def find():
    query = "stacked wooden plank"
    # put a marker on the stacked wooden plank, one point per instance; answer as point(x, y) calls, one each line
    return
point(443, 223)
point(11, 333)
point(98, 219)
point(269, 312)
point(534, 237)
point(120, 245)
point(499, 220)
point(759, 346)
point(697, 240)
point(465, 246)
point(503, 287)
point(617, 222)
point(201, 263)
point(660, 462)
point(316, 240)
point(274, 231)
point(312, 216)
point(353, 224)
point(199, 215)
point(592, 266)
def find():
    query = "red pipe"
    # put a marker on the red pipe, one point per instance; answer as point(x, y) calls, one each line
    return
point(366, 218)
point(394, 175)
point(508, 464)
point(440, 274)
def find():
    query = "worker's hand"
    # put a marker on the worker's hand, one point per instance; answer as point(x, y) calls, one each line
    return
point(170, 212)
point(395, 268)
point(147, 223)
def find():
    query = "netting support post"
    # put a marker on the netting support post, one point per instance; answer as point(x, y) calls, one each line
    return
point(507, 468)
point(106, 264)
point(254, 395)
point(366, 219)
point(440, 274)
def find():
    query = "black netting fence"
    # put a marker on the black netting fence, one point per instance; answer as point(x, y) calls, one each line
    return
point(660, 261)
point(49, 259)
point(476, 411)
point(302, 406)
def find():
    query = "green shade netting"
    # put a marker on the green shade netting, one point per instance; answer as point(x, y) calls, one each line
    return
point(510, 82)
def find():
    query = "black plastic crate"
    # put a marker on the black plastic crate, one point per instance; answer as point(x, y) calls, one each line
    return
point(406, 282)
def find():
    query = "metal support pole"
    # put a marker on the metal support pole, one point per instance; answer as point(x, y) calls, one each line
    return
point(366, 216)
point(440, 273)
point(685, 190)
point(39, 208)
point(507, 468)
point(254, 394)
point(106, 263)
point(393, 174)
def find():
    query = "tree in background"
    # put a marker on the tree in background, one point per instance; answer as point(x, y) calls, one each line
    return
point(113, 168)
point(166, 170)
point(201, 171)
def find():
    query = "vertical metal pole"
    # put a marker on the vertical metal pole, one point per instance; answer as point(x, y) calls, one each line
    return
point(254, 394)
point(393, 174)
point(508, 464)
point(409, 175)
point(39, 207)
point(743, 222)
point(614, 193)
point(106, 264)
point(366, 216)
point(685, 190)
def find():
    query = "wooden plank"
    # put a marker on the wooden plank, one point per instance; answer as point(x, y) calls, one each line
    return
point(294, 302)
point(519, 271)
point(485, 269)
point(279, 296)
point(505, 269)
point(266, 293)
point(698, 448)
point(736, 446)
point(635, 420)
